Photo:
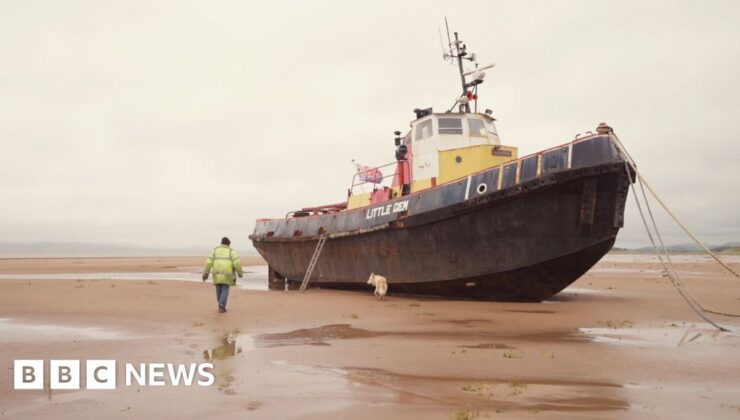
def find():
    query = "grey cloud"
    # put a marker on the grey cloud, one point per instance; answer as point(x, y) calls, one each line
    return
point(173, 123)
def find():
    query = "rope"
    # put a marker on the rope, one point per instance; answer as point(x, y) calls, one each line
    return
point(668, 257)
point(674, 280)
point(670, 213)
point(685, 229)
point(668, 264)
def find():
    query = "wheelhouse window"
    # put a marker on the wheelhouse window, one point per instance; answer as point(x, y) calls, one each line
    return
point(477, 127)
point(423, 130)
point(491, 127)
point(450, 126)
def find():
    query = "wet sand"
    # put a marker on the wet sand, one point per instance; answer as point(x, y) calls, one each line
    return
point(619, 343)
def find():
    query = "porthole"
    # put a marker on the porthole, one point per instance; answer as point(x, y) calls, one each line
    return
point(458, 159)
point(482, 188)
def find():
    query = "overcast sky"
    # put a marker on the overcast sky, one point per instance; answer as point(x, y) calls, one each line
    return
point(161, 123)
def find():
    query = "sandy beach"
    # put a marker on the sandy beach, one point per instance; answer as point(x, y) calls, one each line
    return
point(619, 343)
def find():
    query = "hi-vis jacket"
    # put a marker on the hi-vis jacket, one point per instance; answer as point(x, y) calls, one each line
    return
point(224, 262)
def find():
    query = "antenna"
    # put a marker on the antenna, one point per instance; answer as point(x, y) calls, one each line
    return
point(442, 44)
point(460, 53)
point(476, 70)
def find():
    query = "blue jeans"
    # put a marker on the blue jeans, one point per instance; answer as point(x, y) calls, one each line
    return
point(222, 294)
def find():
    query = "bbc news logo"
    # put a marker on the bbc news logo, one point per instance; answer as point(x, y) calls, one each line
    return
point(102, 374)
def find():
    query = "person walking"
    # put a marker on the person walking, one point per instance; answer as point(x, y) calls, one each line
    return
point(224, 263)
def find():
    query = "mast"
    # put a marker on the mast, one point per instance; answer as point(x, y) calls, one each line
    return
point(460, 53)
point(477, 74)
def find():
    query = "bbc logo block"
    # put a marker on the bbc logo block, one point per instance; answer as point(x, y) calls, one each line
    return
point(28, 374)
point(101, 374)
point(64, 374)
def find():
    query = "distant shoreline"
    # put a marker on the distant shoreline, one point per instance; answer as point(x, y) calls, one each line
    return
point(60, 256)
point(732, 251)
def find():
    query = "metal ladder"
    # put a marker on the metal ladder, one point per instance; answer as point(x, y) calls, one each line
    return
point(312, 264)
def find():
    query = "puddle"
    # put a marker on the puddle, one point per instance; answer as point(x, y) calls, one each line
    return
point(580, 294)
point(15, 331)
point(584, 291)
point(672, 335)
point(580, 404)
point(319, 336)
point(465, 322)
point(226, 350)
point(255, 277)
point(490, 346)
point(320, 389)
point(676, 258)
point(314, 336)
point(495, 394)
point(527, 311)
point(555, 337)
point(382, 373)
point(624, 270)
point(648, 272)
point(311, 389)
point(670, 400)
point(224, 368)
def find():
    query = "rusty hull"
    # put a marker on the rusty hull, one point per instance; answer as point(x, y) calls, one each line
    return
point(523, 243)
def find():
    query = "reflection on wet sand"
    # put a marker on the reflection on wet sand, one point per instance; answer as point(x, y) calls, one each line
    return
point(611, 343)
point(495, 394)
point(319, 335)
point(665, 335)
point(12, 330)
point(529, 311)
point(624, 333)
point(255, 277)
point(227, 349)
point(224, 372)
point(314, 336)
point(358, 385)
point(490, 346)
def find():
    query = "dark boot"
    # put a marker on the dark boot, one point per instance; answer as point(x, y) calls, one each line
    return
point(221, 309)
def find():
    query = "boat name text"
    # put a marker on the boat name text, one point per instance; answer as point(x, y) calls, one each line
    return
point(388, 209)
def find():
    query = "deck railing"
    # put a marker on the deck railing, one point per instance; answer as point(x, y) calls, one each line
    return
point(384, 170)
point(535, 165)
point(523, 169)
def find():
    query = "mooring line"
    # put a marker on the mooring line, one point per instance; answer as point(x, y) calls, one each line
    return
point(668, 264)
point(670, 213)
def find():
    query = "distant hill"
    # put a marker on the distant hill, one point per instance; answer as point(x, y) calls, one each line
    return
point(87, 249)
point(618, 249)
point(692, 247)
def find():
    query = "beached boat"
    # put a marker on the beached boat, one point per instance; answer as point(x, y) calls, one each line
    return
point(459, 214)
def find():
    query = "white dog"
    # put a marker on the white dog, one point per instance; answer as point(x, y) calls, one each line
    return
point(380, 283)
